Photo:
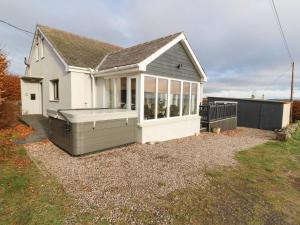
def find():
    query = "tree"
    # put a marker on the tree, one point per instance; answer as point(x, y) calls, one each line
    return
point(3, 73)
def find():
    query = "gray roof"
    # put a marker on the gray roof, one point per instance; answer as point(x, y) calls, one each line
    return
point(85, 52)
point(135, 54)
point(77, 50)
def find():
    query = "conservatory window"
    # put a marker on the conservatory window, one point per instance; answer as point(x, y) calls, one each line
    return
point(186, 99)
point(162, 102)
point(175, 98)
point(194, 98)
point(149, 97)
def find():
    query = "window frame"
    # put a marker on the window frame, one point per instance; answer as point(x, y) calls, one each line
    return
point(54, 90)
point(169, 79)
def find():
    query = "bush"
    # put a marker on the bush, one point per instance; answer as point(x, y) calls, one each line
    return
point(12, 88)
point(9, 95)
point(3, 73)
point(296, 110)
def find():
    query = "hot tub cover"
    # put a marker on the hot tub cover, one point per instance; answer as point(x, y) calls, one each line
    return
point(88, 115)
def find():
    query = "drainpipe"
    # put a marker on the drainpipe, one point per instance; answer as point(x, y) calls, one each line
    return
point(92, 72)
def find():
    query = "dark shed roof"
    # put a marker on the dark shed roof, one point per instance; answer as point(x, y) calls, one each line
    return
point(77, 50)
point(135, 54)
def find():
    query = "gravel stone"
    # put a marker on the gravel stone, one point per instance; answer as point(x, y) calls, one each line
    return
point(135, 175)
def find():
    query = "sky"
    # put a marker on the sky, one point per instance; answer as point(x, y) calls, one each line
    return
point(237, 42)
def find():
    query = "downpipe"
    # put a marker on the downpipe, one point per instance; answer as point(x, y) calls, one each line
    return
point(93, 89)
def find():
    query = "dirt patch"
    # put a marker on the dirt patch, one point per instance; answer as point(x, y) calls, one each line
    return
point(133, 176)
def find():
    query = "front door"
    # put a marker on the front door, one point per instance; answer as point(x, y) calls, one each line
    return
point(31, 97)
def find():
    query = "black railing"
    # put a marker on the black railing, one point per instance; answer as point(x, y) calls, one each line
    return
point(213, 112)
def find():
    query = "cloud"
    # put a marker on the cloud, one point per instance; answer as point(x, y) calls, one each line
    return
point(236, 41)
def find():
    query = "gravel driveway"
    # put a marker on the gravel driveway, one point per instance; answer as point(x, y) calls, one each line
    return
point(133, 176)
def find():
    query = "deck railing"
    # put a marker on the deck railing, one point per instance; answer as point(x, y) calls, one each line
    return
point(214, 112)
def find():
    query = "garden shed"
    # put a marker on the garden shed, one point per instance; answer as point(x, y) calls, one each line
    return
point(259, 113)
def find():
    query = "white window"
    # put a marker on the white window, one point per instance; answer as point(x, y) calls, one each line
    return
point(186, 99)
point(54, 90)
point(162, 98)
point(167, 97)
point(37, 51)
point(194, 101)
point(149, 97)
point(175, 94)
point(41, 48)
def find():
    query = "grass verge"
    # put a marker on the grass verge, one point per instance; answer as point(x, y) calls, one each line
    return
point(264, 188)
point(29, 197)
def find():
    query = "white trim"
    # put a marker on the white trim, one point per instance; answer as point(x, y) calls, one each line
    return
point(102, 61)
point(181, 100)
point(128, 94)
point(190, 52)
point(141, 113)
point(156, 98)
point(116, 70)
point(114, 84)
point(190, 100)
point(78, 69)
point(198, 97)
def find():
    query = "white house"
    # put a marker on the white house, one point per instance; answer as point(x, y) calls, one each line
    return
point(161, 80)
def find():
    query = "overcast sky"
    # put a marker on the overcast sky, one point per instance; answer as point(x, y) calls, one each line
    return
point(236, 41)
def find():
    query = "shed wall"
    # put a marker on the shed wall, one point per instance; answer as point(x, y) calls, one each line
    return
point(267, 115)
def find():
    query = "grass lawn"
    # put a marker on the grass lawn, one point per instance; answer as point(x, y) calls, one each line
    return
point(263, 188)
point(29, 197)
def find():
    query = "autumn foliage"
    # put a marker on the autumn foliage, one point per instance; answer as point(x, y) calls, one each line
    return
point(296, 110)
point(10, 94)
point(3, 73)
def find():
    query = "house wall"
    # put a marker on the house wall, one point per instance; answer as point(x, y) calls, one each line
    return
point(166, 65)
point(81, 90)
point(49, 68)
point(173, 128)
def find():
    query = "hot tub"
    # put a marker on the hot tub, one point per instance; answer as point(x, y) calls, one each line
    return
point(82, 131)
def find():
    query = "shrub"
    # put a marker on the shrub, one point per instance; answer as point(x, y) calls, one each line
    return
point(296, 110)
point(9, 95)
point(3, 73)
point(12, 89)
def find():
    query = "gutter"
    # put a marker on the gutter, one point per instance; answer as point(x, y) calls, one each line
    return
point(119, 69)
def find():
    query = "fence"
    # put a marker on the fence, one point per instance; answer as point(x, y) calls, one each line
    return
point(214, 112)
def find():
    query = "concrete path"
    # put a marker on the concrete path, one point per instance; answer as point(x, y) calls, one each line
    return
point(40, 126)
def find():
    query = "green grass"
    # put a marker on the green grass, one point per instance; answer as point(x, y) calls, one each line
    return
point(28, 197)
point(264, 188)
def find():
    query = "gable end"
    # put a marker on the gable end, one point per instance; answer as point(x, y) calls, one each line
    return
point(167, 64)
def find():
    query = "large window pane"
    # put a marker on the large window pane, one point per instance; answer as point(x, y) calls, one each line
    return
point(175, 98)
point(194, 99)
point(162, 101)
point(186, 98)
point(149, 97)
point(133, 93)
